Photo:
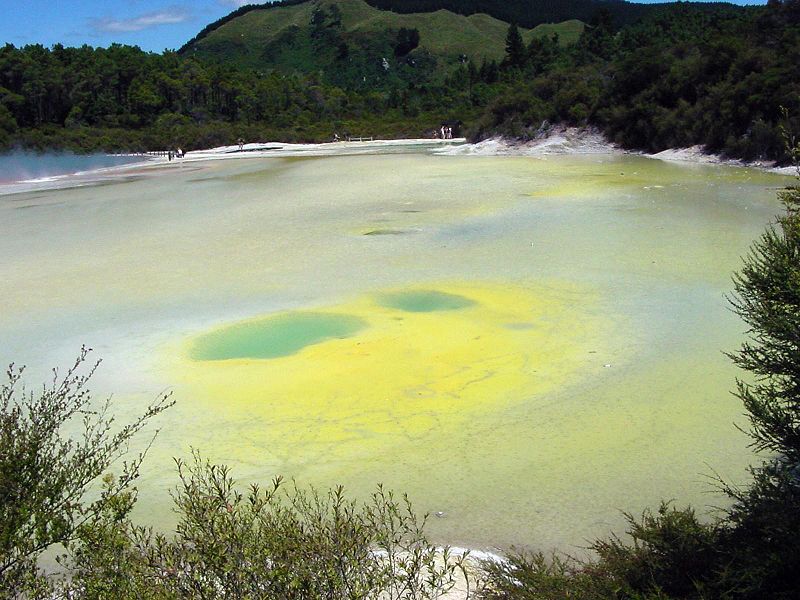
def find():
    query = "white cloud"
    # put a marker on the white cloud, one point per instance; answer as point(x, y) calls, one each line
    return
point(167, 16)
point(238, 3)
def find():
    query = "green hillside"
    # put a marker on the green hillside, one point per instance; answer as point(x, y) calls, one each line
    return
point(316, 35)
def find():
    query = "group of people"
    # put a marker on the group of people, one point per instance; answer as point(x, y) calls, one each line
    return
point(175, 154)
point(445, 132)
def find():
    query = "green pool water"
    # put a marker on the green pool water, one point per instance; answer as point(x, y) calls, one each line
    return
point(541, 350)
point(424, 301)
point(280, 335)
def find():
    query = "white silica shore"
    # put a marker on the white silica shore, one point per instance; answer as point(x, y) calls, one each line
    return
point(590, 140)
point(344, 148)
point(559, 140)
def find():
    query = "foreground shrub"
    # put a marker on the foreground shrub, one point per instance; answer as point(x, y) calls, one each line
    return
point(54, 444)
point(279, 542)
point(762, 542)
point(669, 554)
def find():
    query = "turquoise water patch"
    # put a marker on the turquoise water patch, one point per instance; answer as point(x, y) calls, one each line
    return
point(274, 337)
point(424, 301)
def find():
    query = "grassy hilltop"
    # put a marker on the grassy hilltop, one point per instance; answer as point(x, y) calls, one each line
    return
point(318, 35)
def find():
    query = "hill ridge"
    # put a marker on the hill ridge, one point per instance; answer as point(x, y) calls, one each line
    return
point(524, 13)
point(346, 39)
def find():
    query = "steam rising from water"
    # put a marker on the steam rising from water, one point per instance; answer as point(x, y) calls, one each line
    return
point(22, 165)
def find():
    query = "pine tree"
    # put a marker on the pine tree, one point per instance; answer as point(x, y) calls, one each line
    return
point(767, 298)
point(759, 545)
point(515, 48)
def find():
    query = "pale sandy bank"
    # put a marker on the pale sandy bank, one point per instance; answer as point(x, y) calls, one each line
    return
point(590, 140)
point(279, 149)
point(698, 155)
point(557, 140)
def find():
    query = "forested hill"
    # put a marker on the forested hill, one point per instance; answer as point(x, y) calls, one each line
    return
point(719, 78)
point(349, 40)
point(523, 13)
point(683, 75)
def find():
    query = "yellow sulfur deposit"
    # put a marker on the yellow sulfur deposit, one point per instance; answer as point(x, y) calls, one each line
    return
point(426, 359)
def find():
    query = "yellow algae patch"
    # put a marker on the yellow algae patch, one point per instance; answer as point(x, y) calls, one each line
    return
point(610, 178)
point(425, 361)
point(591, 185)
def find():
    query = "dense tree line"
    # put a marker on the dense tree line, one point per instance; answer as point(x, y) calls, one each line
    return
point(123, 98)
point(684, 75)
point(680, 77)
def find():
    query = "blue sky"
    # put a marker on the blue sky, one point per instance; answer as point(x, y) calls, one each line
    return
point(150, 24)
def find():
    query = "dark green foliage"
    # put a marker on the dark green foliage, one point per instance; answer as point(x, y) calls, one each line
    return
point(541, 54)
point(686, 75)
point(767, 298)
point(121, 98)
point(761, 548)
point(526, 13)
point(715, 75)
point(598, 39)
point(407, 40)
point(669, 555)
point(762, 539)
point(717, 79)
point(672, 554)
point(53, 445)
point(515, 48)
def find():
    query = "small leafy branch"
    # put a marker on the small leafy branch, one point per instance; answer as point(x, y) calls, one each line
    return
point(45, 473)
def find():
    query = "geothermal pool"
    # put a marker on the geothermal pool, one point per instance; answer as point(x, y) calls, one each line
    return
point(528, 345)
